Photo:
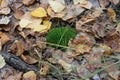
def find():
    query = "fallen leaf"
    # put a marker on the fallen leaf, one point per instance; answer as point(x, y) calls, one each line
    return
point(29, 59)
point(65, 65)
point(17, 47)
point(39, 12)
point(30, 75)
point(34, 23)
point(52, 14)
point(72, 11)
point(86, 4)
point(24, 22)
point(28, 2)
point(5, 10)
point(44, 69)
point(4, 38)
point(111, 14)
point(5, 20)
point(18, 14)
point(56, 6)
point(2, 62)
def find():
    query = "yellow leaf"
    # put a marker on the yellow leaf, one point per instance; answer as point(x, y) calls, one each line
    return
point(56, 6)
point(47, 23)
point(2, 62)
point(40, 28)
point(39, 12)
point(111, 14)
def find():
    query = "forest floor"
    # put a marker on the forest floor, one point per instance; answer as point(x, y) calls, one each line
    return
point(59, 39)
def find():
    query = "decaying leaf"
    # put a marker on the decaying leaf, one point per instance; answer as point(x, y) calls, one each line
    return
point(66, 66)
point(30, 75)
point(44, 69)
point(78, 1)
point(56, 6)
point(2, 62)
point(39, 12)
point(111, 14)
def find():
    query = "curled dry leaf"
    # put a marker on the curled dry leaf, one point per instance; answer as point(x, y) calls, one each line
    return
point(5, 10)
point(56, 6)
point(39, 12)
point(44, 69)
point(2, 62)
point(28, 2)
point(30, 75)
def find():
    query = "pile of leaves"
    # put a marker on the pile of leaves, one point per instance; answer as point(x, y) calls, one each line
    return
point(59, 39)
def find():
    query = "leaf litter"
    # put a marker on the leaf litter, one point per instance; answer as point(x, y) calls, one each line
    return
point(92, 54)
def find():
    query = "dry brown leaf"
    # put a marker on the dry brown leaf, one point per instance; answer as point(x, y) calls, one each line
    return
point(30, 75)
point(17, 47)
point(16, 76)
point(4, 38)
point(29, 59)
point(28, 2)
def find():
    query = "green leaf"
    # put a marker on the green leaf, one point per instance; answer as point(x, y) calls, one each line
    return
point(60, 36)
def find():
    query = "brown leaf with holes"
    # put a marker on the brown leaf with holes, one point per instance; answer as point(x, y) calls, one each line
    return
point(44, 69)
